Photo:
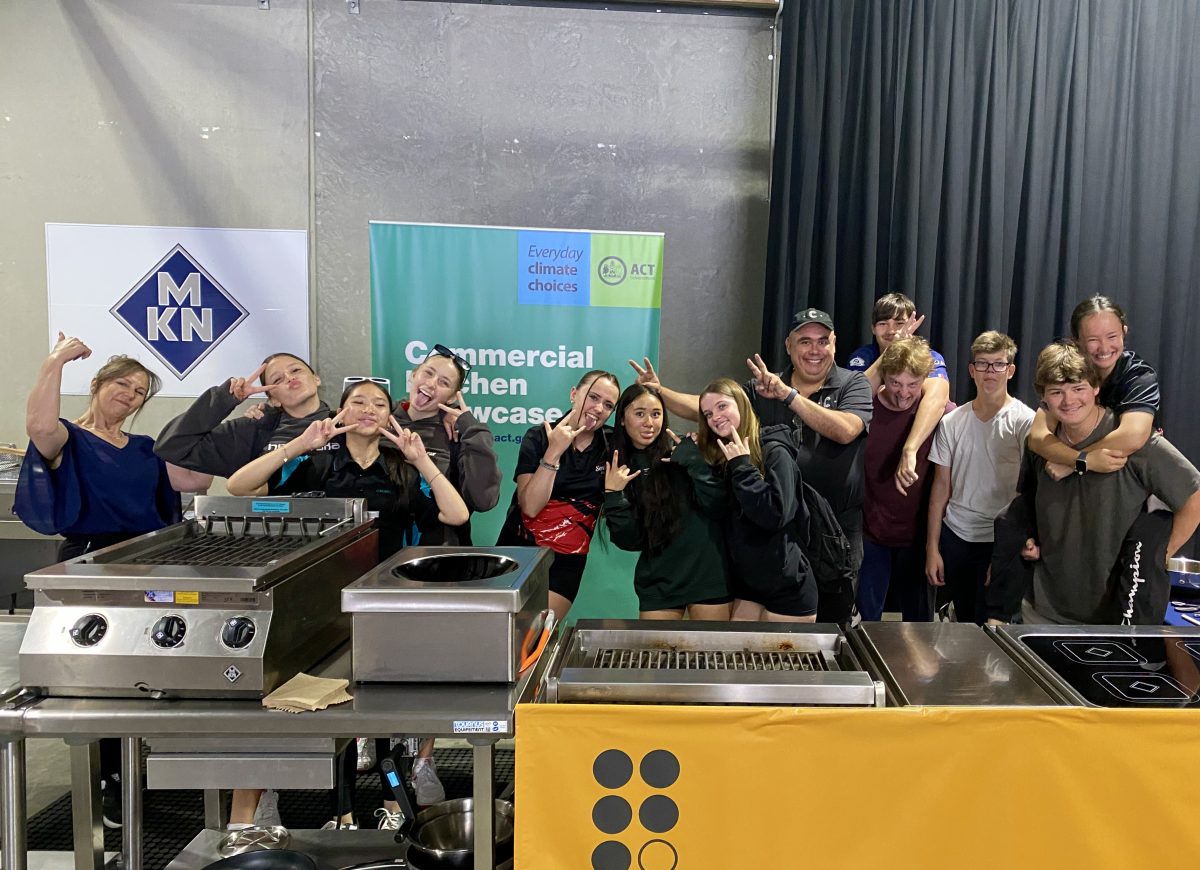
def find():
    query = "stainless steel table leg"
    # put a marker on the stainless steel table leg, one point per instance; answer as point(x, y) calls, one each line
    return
point(131, 802)
point(12, 790)
point(86, 822)
point(483, 756)
point(214, 817)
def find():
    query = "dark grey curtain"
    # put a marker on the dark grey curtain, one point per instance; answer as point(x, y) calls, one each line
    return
point(998, 161)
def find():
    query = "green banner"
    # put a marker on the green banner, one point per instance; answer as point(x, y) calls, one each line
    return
point(532, 310)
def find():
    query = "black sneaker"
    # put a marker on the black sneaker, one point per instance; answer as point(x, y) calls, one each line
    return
point(110, 803)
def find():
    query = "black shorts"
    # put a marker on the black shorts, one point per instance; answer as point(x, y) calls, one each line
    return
point(566, 573)
point(787, 597)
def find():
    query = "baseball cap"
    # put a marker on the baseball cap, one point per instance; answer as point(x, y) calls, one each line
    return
point(810, 315)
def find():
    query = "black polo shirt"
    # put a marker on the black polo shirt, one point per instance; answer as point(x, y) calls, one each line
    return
point(1132, 386)
point(834, 470)
point(337, 475)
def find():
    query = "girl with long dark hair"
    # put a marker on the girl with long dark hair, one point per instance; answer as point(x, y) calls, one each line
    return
point(662, 500)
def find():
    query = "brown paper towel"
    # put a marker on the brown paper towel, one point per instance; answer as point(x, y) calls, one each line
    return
point(304, 693)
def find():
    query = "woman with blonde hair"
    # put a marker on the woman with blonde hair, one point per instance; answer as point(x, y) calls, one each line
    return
point(770, 577)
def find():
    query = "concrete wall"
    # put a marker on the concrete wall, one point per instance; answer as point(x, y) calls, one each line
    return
point(196, 113)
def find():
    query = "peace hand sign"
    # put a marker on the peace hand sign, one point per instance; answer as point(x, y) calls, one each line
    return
point(616, 475)
point(451, 414)
point(408, 441)
point(911, 326)
point(734, 448)
point(321, 432)
point(766, 383)
point(244, 388)
point(646, 377)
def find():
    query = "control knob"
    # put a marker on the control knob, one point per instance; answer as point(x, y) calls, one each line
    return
point(237, 632)
point(168, 632)
point(88, 630)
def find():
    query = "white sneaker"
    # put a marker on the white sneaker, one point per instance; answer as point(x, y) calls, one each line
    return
point(332, 825)
point(426, 783)
point(389, 821)
point(366, 753)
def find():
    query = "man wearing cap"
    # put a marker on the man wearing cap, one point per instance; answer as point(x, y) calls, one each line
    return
point(894, 316)
point(828, 406)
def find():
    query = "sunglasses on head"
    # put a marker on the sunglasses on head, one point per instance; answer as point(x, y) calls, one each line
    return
point(442, 350)
point(347, 383)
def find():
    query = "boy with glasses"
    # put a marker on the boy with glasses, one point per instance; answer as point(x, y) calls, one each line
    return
point(977, 457)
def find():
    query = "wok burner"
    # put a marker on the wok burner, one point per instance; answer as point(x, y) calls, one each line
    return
point(626, 661)
point(710, 660)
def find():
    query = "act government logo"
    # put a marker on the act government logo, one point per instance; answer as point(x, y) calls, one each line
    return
point(179, 311)
point(628, 270)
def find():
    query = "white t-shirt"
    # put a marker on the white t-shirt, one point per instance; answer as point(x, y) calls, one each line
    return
point(984, 460)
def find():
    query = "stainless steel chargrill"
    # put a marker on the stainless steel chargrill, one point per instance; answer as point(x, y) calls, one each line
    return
point(626, 661)
point(213, 550)
point(710, 660)
point(228, 604)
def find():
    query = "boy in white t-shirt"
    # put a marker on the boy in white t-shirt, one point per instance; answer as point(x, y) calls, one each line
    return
point(977, 456)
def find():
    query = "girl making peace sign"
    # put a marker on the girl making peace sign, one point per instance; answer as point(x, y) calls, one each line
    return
point(391, 487)
point(771, 578)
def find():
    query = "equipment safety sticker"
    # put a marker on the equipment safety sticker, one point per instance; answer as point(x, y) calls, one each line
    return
point(480, 726)
point(161, 596)
point(187, 597)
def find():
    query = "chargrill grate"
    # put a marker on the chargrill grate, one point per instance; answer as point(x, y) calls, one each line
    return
point(218, 551)
point(710, 660)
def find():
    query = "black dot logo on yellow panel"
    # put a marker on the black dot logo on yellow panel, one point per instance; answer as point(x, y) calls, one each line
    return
point(612, 814)
point(658, 814)
point(612, 768)
point(659, 769)
point(611, 855)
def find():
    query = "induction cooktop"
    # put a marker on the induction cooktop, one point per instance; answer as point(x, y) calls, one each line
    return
point(1138, 668)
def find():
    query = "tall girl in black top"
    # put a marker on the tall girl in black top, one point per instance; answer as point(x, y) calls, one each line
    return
point(772, 580)
point(560, 485)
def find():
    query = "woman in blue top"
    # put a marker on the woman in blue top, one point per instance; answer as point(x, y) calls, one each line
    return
point(94, 483)
point(89, 480)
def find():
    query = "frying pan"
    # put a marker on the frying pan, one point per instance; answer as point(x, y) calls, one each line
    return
point(271, 859)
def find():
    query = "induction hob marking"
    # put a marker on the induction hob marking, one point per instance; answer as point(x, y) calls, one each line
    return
point(1192, 648)
point(1098, 652)
point(1144, 688)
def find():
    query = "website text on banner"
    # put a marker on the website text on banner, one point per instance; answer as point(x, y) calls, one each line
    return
point(531, 311)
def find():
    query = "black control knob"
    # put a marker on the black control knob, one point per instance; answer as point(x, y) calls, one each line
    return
point(89, 630)
point(168, 632)
point(237, 632)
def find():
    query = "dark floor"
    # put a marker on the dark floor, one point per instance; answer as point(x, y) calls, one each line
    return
point(171, 819)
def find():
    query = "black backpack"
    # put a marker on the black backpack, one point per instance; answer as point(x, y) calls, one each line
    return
point(825, 544)
point(820, 534)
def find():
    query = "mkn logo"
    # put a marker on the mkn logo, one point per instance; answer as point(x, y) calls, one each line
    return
point(179, 311)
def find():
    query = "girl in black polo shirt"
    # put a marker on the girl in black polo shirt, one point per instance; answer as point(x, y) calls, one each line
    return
point(560, 485)
point(412, 497)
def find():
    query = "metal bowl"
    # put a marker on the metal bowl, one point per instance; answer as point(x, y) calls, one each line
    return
point(444, 833)
point(1184, 572)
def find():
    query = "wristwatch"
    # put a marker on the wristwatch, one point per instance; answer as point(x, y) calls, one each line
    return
point(1081, 462)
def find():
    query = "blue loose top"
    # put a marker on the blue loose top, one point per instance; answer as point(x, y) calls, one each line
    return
point(97, 488)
